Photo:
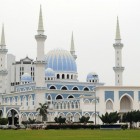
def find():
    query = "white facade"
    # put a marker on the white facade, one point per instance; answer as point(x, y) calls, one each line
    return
point(53, 79)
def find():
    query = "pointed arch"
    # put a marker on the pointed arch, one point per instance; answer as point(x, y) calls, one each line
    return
point(77, 116)
point(52, 87)
point(75, 88)
point(70, 96)
point(24, 117)
point(64, 88)
point(86, 89)
point(58, 97)
point(126, 103)
point(109, 104)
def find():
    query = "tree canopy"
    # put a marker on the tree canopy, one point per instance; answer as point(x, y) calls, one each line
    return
point(43, 111)
point(110, 118)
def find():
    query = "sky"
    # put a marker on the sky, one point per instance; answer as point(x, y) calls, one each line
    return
point(93, 23)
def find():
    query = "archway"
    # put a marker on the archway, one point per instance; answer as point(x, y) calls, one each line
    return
point(13, 117)
point(125, 104)
point(76, 117)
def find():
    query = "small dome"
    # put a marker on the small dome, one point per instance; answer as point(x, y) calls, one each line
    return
point(26, 78)
point(61, 61)
point(92, 77)
point(49, 72)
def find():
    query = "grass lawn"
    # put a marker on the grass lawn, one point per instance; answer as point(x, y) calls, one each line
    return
point(69, 134)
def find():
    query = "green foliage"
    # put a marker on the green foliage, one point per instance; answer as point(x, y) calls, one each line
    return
point(84, 119)
point(43, 111)
point(60, 120)
point(32, 121)
point(110, 118)
point(3, 121)
point(133, 116)
point(71, 126)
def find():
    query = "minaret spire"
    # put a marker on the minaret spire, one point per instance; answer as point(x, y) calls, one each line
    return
point(118, 69)
point(2, 37)
point(3, 67)
point(72, 48)
point(118, 36)
point(40, 61)
point(40, 22)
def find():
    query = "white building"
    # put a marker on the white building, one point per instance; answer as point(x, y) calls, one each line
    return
point(53, 78)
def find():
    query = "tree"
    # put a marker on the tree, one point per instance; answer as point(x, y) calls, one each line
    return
point(133, 116)
point(60, 120)
point(84, 119)
point(110, 118)
point(43, 111)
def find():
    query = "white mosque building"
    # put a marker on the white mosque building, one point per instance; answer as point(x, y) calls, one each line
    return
point(53, 79)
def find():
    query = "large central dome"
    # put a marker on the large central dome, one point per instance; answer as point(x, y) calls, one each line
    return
point(60, 60)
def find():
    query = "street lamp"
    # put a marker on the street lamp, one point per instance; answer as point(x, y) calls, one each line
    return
point(95, 103)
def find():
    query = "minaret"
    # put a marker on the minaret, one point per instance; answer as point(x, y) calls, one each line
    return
point(3, 68)
point(118, 69)
point(40, 60)
point(72, 48)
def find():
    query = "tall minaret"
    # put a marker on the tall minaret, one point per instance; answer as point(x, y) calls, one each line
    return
point(3, 68)
point(118, 69)
point(72, 48)
point(40, 60)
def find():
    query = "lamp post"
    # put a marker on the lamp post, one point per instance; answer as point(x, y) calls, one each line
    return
point(95, 103)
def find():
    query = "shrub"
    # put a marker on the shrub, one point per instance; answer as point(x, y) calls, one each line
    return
point(3, 121)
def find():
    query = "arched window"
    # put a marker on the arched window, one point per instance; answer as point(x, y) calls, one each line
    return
point(71, 96)
point(64, 88)
point(64, 105)
point(59, 97)
point(63, 76)
point(58, 76)
point(49, 97)
point(72, 105)
point(61, 106)
point(75, 88)
point(57, 106)
point(86, 89)
point(67, 76)
point(76, 105)
point(68, 105)
point(52, 87)
point(71, 76)
point(109, 105)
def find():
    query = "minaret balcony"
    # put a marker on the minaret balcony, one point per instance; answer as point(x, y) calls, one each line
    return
point(3, 72)
point(40, 62)
point(118, 45)
point(40, 37)
point(3, 50)
point(118, 68)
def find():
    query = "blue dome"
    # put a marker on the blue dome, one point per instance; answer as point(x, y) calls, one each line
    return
point(26, 78)
point(92, 76)
point(61, 60)
point(49, 72)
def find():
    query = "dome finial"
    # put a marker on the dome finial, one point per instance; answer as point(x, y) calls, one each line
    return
point(72, 48)
point(118, 36)
point(3, 36)
point(40, 22)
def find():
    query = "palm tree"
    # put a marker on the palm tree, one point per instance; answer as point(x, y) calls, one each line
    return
point(43, 111)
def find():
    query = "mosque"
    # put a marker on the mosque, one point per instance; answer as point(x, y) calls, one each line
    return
point(53, 79)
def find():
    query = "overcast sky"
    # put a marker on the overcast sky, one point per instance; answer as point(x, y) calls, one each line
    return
point(93, 23)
